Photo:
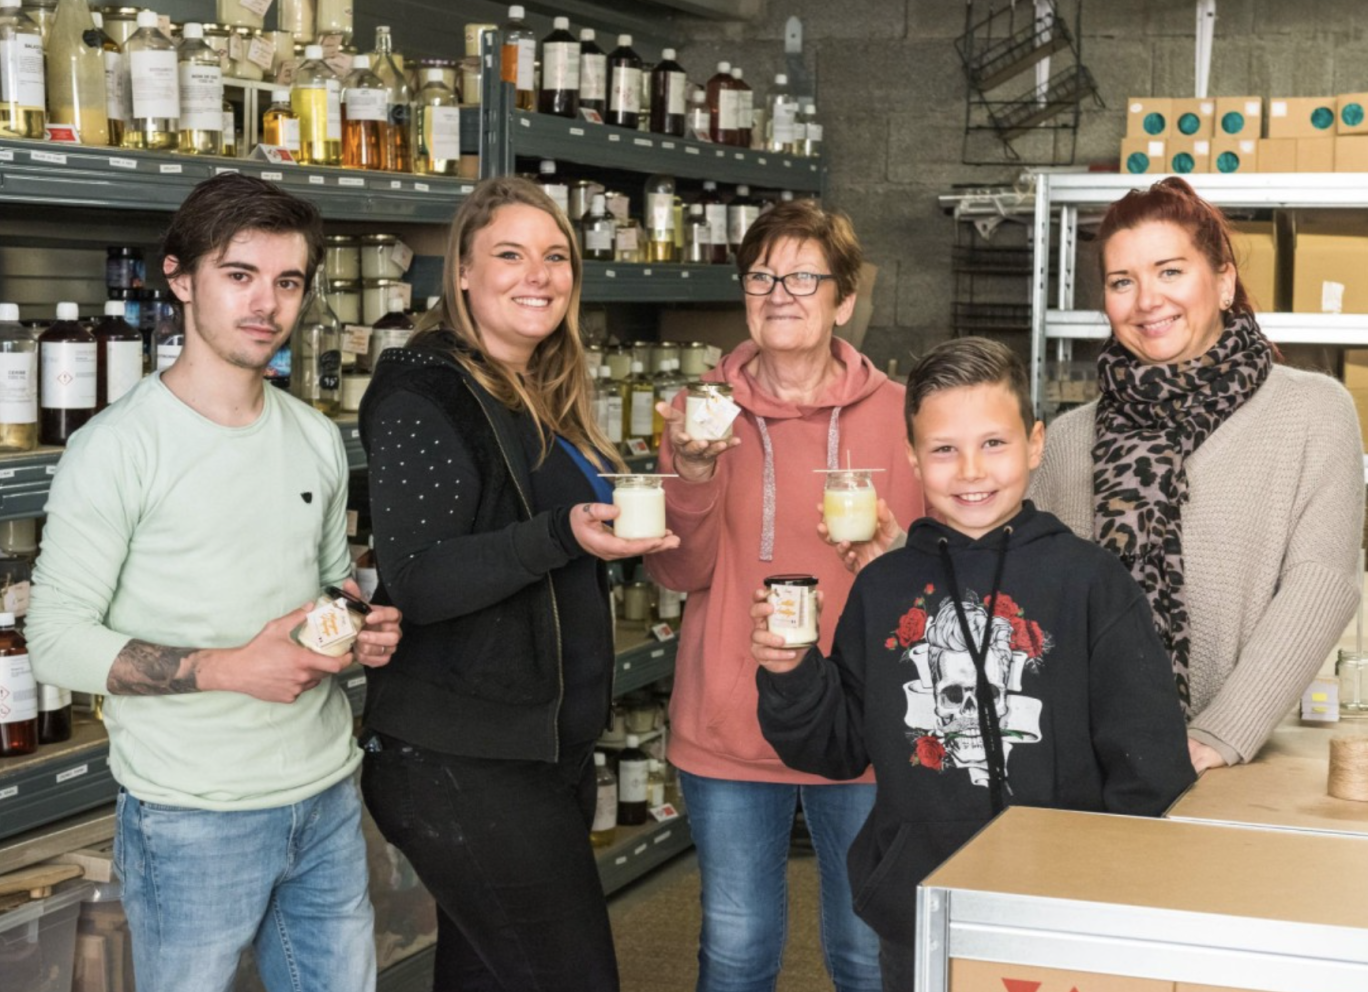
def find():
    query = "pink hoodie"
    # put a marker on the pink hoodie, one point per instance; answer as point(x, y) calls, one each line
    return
point(714, 729)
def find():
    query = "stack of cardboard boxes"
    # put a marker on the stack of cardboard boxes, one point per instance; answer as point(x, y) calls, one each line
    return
point(1233, 134)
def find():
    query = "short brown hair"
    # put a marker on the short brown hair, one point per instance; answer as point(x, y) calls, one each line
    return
point(968, 361)
point(219, 209)
point(804, 220)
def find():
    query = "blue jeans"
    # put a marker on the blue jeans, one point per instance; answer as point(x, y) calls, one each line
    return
point(200, 886)
point(741, 831)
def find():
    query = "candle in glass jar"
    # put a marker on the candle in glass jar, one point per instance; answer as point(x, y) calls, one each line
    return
point(794, 598)
point(641, 502)
point(709, 411)
point(850, 505)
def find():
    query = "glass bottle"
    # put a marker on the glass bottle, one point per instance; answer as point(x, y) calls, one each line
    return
point(396, 144)
point(668, 383)
point(811, 145)
point(716, 211)
point(280, 124)
point(553, 185)
point(118, 356)
point(624, 85)
point(365, 111)
point(599, 231)
point(723, 106)
point(316, 352)
point(638, 404)
point(19, 725)
point(437, 144)
point(518, 64)
point(655, 783)
point(66, 367)
point(697, 237)
point(659, 217)
point(23, 93)
point(604, 828)
point(230, 131)
point(742, 212)
point(54, 714)
point(317, 102)
point(593, 93)
point(201, 94)
point(783, 113)
point(18, 383)
point(633, 774)
point(334, 17)
point(393, 330)
point(168, 333)
point(42, 13)
point(560, 77)
point(298, 18)
point(75, 74)
point(117, 97)
point(698, 124)
point(745, 108)
point(155, 84)
point(669, 88)
point(612, 405)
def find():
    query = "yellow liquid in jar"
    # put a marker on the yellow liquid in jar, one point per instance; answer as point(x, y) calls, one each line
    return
point(18, 437)
point(200, 143)
point(152, 133)
point(311, 107)
point(851, 514)
point(22, 122)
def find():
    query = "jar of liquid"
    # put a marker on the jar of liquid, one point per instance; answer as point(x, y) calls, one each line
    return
point(353, 388)
point(641, 500)
point(636, 601)
point(794, 598)
point(378, 259)
point(850, 505)
point(1351, 668)
point(243, 13)
point(709, 411)
point(332, 625)
point(344, 296)
point(375, 297)
point(342, 255)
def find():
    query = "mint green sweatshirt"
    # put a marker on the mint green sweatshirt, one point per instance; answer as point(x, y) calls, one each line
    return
point(169, 528)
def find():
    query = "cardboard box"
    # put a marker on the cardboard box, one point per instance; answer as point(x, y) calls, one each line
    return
point(1194, 119)
point(1239, 116)
point(1360, 397)
point(1351, 153)
point(1352, 113)
point(1143, 156)
point(1277, 154)
point(1149, 117)
point(1315, 154)
point(1256, 259)
point(988, 976)
point(1185, 155)
point(1301, 117)
point(1234, 154)
point(1329, 266)
point(1356, 368)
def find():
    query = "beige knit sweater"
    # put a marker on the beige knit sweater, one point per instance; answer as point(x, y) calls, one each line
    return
point(1271, 534)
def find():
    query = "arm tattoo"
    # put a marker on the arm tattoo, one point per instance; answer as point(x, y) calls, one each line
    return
point(144, 669)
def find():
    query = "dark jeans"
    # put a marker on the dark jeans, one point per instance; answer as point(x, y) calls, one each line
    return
point(503, 846)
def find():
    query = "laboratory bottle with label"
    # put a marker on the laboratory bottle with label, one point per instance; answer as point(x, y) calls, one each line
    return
point(280, 124)
point(783, 114)
point(612, 405)
point(154, 80)
point(560, 77)
point(67, 374)
point(76, 74)
point(317, 102)
point(598, 231)
point(745, 107)
point(201, 94)
point(723, 106)
point(659, 216)
point(18, 383)
point(553, 185)
point(23, 92)
point(19, 714)
point(655, 783)
point(638, 404)
point(397, 139)
point(624, 85)
point(519, 58)
point(593, 92)
point(54, 714)
point(810, 131)
point(668, 383)
point(715, 209)
point(697, 237)
point(316, 352)
point(118, 356)
point(698, 123)
point(633, 778)
point(437, 143)
point(393, 330)
point(742, 212)
point(669, 93)
point(364, 115)
point(604, 828)
point(117, 97)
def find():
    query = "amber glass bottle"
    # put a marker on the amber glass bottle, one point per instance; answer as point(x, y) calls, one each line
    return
point(19, 722)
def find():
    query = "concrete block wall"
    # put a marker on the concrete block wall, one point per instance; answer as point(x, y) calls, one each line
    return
point(891, 92)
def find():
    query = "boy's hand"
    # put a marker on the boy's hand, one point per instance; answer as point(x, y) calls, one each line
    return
point(857, 555)
point(766, 648)
point(1204, 756)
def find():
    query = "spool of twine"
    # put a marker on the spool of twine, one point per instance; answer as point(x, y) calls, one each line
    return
point(1349, 768)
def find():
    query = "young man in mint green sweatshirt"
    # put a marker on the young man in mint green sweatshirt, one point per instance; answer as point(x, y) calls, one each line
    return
point(186, 526)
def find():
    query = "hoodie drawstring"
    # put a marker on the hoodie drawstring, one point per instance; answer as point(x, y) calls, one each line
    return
point(767, 478)
point(983, 689)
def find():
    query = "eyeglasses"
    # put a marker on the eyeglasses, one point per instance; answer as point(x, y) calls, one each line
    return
point(795, 283)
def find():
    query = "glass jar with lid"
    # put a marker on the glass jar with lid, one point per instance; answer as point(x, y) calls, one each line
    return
point(618, 358)
point(240, 64)
point(334, 17)
point(662, 352)
point(449, 68)
point(375, 297)
point(342, 256)
point(850, 504)
point(217, 36)
point(709, 411)
point(243, 13)
point(378, 259)
point(640, 500)
point(344, 296)
point(296, 17)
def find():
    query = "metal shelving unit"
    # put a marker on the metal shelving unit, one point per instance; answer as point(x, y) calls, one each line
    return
point(57, 781)
point(630, 282)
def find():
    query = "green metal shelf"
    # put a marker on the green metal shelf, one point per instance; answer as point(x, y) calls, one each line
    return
point(634, 282)
point(56, 781)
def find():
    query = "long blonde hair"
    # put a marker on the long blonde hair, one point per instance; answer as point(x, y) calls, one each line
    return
point(554, 389)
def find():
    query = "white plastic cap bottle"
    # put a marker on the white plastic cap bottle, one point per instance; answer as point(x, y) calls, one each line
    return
point(561, 23)
point(724, 67)
point(68, 311)
point(632, 739)
point(6, 619)
point(192, 30)
point(312, 53)
point(624, 41)
point(280, 96)
point(667, 54)
point(9, 312)
point(115, 308)
point(516, 12)
point(600, 759)
point(147, 19)
point(781, 79)
point(360, 61)
point(736, 73)
point(637, 369)
point(547, 167)
point(586, 34)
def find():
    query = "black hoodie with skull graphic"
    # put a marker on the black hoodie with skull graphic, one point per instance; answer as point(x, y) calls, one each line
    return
point(1020, 668)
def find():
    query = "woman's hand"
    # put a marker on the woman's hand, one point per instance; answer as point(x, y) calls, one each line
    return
point(766, 648)
point(857, 555)
point(1204, 756)
point(695, 461)
point(587, 522)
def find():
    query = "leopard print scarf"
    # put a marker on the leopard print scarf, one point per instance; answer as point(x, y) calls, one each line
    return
point(1150, 419)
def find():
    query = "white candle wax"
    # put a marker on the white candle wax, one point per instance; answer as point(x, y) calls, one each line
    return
point(704, 429)
point(642, 511)
point(851, 514)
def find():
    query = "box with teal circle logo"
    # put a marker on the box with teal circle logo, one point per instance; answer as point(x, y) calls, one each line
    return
point(1352, 113)
point(1194, 118)
point(1230, 155)
point(1239, 117)
point(1149, 117)
point(1189, 155)
point(1302, 117)
point(1143, 157)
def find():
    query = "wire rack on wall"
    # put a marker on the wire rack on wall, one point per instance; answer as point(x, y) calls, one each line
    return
point(1027, 83)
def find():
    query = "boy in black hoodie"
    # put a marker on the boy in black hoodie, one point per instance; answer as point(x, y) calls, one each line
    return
point(997, 659)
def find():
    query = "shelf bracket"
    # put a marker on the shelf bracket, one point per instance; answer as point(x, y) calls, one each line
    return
point(1206, 30)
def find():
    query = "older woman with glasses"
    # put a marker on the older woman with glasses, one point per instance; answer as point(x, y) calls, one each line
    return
point(747, 508)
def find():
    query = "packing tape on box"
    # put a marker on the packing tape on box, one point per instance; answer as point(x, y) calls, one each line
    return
point(1349, 768)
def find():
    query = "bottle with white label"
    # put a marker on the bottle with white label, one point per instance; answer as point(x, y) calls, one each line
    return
point(560, 77)
point(698, 122)
point(118, 357)
point(19, 691)
point(437, 145)
point(604, 828)
point(783, 114)
point(154, 80)
point(201, 94)
point(396, 137)
point(519, 58)
point(316, 352)
point(367, 574)
point(633, 777)
point(116, 82)
point(593, 91)
point(230, 131)
point(638, 404)
point(668, 384)
point(669, 89)
point(280, 124)
point(742, 212)
point(745, 107)
point(54, 714)
point(697, 237)
point(723, 104)
point(18, 383)
point(612, 405)
point(810, 128)
point(598, 231)
point(660, 219)
point(23, 92)
point(393, 330)
point(75, 74)
point(364, 112)
point(168, 334)
point(655, 783)
point(624, 85)
point(553, 185)
point(715, 210)
point(66, 367)
point(317, 102)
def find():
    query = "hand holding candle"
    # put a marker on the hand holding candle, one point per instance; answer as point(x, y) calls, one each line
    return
point(768, 648)
point(850, 505)
point(695, 456)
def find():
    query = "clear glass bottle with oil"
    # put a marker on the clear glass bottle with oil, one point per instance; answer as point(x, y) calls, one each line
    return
point(659, 219)
point(668, 384)
point(23, 93)
point(116, 82)
point(397, 139)
point(18, 383)
point(519, 57)
point(200, 77)
point(604, 828)
point(155, 82)
point(76, 75)
point(638, 404)
point(437, 142)
point(364, 116)
point(316, 353)
point(598, 231)
point(280, 124)
point(317, 102)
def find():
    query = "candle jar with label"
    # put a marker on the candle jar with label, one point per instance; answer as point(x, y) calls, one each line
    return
point(332, 625)
point(641, 500)
point(342, 256)
point(636, 602)
point(850, 505)
point(794, 598)
point(709, 411)
point(378, 257)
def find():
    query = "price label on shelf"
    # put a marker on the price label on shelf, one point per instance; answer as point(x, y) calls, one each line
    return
point(10, 792)
point(691, 150)
point(578, 132)
point(273, 177)
point(171, 169)
point(123, 163)
point(643, 142)
point(317, 180)
point(424, 187)
point(71, 773)
point(350, 181)
point(6, 155)
point(50, 158)
point(763, 161)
